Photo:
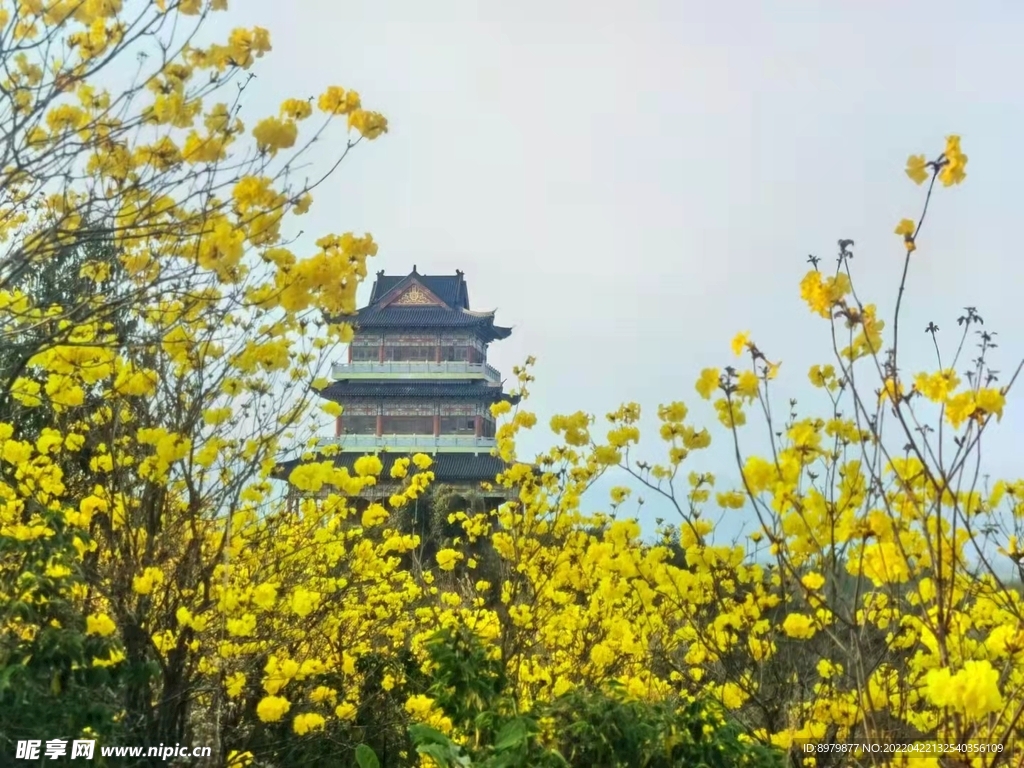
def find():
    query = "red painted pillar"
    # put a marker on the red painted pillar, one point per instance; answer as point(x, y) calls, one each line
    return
point(437, 354)
point(382, 351)
point(337, 427)
point(350, 353)
point(437, 425)
point(479, 425)
point(380, 425)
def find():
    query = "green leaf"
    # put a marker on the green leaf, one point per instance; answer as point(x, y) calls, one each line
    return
point(424, 734)
point(440, 754)
point(366, 758)
point(6, 674)
point(512, 735)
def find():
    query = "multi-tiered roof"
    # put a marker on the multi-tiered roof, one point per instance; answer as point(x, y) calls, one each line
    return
point(417, 380)
point(426, 301)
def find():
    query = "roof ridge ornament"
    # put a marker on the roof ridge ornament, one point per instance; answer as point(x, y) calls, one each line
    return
point(416, 295)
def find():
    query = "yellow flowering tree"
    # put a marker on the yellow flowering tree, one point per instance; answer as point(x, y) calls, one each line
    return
point(121, 514)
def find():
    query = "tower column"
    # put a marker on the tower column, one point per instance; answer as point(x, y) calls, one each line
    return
point(337, 427)
point(381, 353)
point(437, 425)
point(380, 424)
point(479, 425)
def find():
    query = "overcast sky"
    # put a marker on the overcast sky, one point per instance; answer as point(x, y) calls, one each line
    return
point(630, 184)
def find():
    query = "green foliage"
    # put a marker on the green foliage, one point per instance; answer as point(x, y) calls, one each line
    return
point(428, 517)
point(471, 688)
point(589, 728)
point(598, 728)
point(48, 683)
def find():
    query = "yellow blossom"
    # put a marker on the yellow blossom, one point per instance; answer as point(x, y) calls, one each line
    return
point(307, 722)
point(707, 383)
point(99, 624)
point(273, 134)
point(234, 684)
point(799, 626)
point(145, 582)
point(368, 466)
point(740, 343)
point(974, 689)
point(272, 708)
point(917, 169)
point(954, 162)
point(264, 596)
point(447, 559)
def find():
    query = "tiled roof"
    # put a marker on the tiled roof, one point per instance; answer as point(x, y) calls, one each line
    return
point(340, 391)
point(447, 467)
point(432, 317)
point(451, 289)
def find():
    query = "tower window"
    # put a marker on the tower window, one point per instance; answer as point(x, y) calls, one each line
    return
point(408, 425)
point(359, 425)
point(365, 354)
point(409, 354)
point(458, 425)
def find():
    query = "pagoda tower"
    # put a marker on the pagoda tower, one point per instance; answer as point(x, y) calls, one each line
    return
point(417, 380)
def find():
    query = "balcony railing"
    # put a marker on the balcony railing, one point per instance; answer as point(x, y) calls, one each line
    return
point(383, 489)
point(460, 443)
point(410, 370)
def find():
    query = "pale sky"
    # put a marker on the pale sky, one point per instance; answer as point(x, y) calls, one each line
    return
point(630, 184)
